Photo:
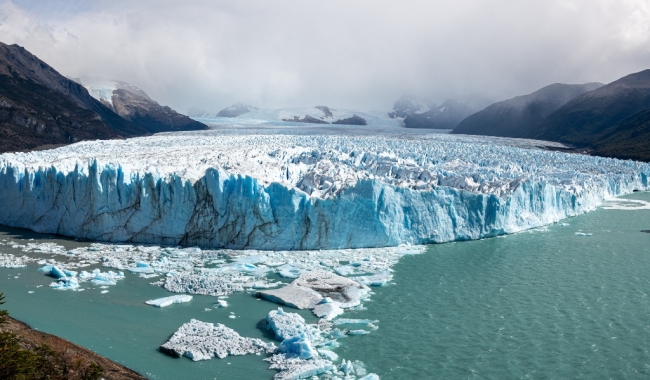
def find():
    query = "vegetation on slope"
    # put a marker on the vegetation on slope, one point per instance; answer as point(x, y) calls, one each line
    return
point(42, 362)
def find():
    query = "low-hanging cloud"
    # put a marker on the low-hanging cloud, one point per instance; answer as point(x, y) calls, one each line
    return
point(342, 53)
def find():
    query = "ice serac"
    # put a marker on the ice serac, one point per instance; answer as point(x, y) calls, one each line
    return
point(293, 192)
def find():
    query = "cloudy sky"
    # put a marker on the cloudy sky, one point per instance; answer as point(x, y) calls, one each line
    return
point(341, 53)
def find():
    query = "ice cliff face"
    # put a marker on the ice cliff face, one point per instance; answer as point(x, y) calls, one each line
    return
point(287, 191)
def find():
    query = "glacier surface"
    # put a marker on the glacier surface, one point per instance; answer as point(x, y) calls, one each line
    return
point(291, 190)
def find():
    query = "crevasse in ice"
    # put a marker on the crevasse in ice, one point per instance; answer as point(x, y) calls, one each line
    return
point(293, 191)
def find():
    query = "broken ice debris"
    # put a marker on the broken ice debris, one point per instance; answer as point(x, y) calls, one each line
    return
point(100, 278)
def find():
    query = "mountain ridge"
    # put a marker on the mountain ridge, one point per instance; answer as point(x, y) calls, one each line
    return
point(518, 116)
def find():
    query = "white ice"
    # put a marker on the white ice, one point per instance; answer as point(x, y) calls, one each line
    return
point(166, 301)
point(201, 341)
point(294, 190)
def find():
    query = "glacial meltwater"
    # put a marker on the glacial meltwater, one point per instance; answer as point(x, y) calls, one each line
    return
point(565, 301)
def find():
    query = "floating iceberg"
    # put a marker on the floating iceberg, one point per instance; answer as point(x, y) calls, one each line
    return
point(166, 301)
point(66, 283)
point(287, 325)
point(141, 267)
point(297, 346)
point(269, 190)
point(202, 341)
point(54, 271)
point(311, 290)
point(327, 309)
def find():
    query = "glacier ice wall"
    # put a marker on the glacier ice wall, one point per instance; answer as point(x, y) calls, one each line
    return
point(469, 191)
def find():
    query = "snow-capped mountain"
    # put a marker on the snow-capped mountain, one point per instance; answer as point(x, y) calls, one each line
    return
point(296, 116)
point(409, 104)
point(235, 110)
point(423, 113)
point(132, 103)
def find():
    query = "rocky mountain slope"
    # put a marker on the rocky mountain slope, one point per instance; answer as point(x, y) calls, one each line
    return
point(40, 107)
point(519, 116)
point(611, 120)
point(133, 104)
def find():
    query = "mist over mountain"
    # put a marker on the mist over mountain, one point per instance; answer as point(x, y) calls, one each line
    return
point(613, 119)
point(424, 113)
point(518, 116)
point(353, 55)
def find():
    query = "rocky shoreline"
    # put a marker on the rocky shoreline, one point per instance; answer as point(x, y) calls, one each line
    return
point(30, 339)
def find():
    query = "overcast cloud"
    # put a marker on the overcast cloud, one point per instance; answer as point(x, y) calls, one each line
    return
point(342, 53)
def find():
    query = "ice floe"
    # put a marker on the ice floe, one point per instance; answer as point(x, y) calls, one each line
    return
point(325, 293)
point(202, 340)
point(166, 301)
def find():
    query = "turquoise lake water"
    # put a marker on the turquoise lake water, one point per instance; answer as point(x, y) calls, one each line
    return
point(542, 304)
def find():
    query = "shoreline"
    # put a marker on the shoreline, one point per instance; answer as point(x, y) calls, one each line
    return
point(30, 338)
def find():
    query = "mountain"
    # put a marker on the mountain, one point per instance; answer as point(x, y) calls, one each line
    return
point(409, 104)
point(235, 110)
point(520, 115)
point(423, 113)
point(133, 104)
point(445, 116)
point(40, 107)
point(630, 140)
point(608, 119)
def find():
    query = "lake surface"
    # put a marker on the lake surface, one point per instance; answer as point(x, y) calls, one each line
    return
point(541, 304)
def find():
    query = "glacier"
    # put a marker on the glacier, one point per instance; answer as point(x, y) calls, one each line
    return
point(292, 190)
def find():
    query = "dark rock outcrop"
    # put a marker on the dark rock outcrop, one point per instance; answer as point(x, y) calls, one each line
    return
point(326, 111)
point(354, 120)
point(306, 119)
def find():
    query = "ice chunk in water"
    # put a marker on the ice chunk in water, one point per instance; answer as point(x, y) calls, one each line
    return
point(65, 283)
point(299, 347)
point(166, 301)
point(201, 341)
